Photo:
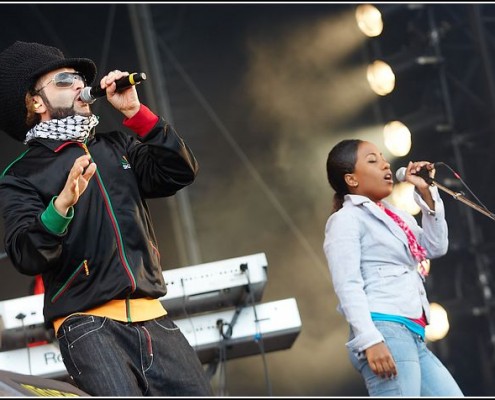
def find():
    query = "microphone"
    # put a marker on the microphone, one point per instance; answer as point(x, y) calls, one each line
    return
point(400, 174)
point(89, 94)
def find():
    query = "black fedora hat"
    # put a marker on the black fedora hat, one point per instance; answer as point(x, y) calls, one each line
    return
point(21, 64)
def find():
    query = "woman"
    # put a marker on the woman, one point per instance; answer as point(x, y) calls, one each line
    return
point(375, 253)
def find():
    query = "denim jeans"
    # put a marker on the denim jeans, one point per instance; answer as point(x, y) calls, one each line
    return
point(419, 371)
point(110, 358)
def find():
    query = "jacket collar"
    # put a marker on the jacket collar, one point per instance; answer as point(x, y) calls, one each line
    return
point(53, 145)
point(377, 212)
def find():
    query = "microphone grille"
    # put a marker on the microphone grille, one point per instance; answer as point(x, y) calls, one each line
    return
point(400, 174)
point(86, 95)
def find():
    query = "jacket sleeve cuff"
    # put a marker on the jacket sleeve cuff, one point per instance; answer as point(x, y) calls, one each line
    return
point(142, 122)
point(439, 207)
point(361, 342)
point(54, 221)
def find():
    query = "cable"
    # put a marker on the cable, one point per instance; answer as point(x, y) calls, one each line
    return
point(21, 317)
point(222, 357)
point(226, 335)
point(257, 177)
point(212, 367)
point(258, 337)
point(457, 176)
point(230, 325)
point(186, 314)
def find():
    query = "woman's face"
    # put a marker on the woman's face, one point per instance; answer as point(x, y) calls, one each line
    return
point(372, 176)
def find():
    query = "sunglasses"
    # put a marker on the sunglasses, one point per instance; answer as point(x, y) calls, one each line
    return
point(64, 80)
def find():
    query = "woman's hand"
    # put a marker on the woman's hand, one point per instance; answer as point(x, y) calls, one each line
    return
point(412, 170)
point(381, 361)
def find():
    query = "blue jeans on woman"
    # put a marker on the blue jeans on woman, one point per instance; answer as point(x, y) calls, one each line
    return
point(111, 358)
point(419, 371)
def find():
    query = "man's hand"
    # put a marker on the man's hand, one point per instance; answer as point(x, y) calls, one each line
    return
point(77, 182)
point(126, 101)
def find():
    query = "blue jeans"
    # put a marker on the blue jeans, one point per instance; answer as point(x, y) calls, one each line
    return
point(419, 371)
point(110, 358)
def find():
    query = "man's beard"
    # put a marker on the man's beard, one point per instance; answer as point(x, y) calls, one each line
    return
point(63, 112)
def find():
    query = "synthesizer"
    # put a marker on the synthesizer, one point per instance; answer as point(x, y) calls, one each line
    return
point(216, 336)
point(193, 289)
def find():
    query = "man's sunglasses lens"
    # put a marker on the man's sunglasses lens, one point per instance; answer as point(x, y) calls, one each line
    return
point(66, 79)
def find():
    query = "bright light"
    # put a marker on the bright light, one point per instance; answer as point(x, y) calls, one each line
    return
point(369, 20)
point(402, 197)
point(426, 265)
point(439, 323)
point(397, 138)
point(381, 77)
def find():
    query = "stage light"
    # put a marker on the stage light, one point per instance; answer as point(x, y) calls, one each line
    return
point(369, 20)
point(380, 77)
point(382, 73)
point(439, 323)
point(397, 138)
point(402, 197)
point(426, 264)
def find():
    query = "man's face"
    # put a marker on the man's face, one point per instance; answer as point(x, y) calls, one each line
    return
point(60, 90)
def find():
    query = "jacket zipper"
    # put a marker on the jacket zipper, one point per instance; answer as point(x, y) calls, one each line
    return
point(115, 225)
point(82, 267)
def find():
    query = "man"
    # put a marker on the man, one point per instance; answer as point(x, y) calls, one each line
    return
point(74, 211)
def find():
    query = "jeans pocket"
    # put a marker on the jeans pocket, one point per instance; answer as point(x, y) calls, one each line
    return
point(79, 325)
point(72, 330)
point(167, 324)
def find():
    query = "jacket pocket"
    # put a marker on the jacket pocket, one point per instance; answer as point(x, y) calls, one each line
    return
point(82, 268)
point(392, 270)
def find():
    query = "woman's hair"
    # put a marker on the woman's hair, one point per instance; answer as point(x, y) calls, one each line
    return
point(341, 161)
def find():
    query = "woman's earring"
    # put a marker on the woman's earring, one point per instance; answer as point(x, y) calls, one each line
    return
point(37, 105)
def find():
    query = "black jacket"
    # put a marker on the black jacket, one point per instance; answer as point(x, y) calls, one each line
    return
point(109, 249)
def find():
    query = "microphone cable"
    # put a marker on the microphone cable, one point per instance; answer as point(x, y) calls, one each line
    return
point(458, 177)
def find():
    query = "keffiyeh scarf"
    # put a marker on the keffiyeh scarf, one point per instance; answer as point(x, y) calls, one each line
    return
point(75, 127)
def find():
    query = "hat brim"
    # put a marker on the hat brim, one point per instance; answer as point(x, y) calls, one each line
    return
point(83, 65)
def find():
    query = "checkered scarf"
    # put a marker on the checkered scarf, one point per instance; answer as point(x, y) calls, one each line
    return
point(75, 127)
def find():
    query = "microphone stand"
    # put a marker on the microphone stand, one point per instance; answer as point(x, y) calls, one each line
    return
point(458, 196)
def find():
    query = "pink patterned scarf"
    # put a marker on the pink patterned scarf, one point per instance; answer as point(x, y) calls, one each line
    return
point(417, 250)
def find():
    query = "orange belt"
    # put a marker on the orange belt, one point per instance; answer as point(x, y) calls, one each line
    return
point(131, 310)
